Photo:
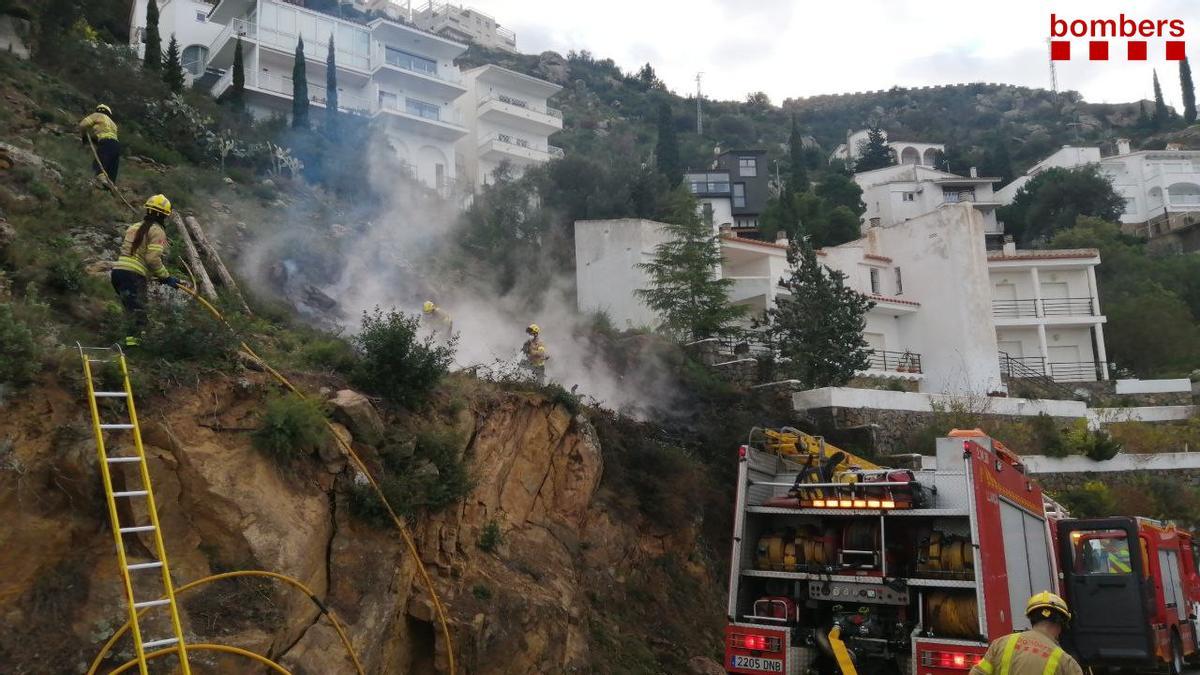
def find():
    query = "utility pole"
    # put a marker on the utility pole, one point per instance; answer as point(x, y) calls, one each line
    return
point(699, 109)
point(1053, 72)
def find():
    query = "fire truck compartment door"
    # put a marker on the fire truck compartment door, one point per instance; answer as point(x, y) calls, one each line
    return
point(1102, 579)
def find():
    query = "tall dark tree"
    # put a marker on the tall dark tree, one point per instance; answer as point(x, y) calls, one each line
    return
point(797, 180)
point(685, 291)
point(1189, 91)
point(172, 69)
point(648, 78)
point(840, 190)
point(299, 89)
point(237, 94)
point(666, 151)
point(818, 353)
point(1161, 114)
point(331, 92)
point(1052, 201)
point(52, 20)
point(153, 58)
point(1143, 120)
point(874, 153)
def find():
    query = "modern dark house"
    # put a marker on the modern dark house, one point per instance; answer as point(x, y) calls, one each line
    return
point(748, 178)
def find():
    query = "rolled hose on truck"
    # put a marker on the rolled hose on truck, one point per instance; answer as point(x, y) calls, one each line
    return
point(952, 615)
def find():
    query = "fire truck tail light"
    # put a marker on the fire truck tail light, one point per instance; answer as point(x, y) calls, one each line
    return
point(888, 504)
point(954, 660)
point(818, 503)
point(872, 503)
point(758, 643)
point(845, 503)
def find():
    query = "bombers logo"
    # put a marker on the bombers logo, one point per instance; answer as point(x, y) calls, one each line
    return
point(1126, 31)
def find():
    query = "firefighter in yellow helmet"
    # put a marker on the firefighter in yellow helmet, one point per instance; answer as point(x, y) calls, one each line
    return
point(535, 354)
point(100, 127)
point(142, 252)
point(1035, 651)
point(437, 319)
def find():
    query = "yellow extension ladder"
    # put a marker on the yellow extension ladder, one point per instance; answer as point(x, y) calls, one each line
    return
point(115, 355)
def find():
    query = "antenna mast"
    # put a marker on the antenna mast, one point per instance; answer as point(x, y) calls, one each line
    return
point(699, 109)
point(1053, 71)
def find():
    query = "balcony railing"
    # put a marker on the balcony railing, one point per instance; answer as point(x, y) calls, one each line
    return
point(545, 110)
point(1032, 308)
point(1082, 371)
point(434, 113)
point(551, 150)
point(316, 47)
point(895, 362)
point(317, 93)
point(1037, 368)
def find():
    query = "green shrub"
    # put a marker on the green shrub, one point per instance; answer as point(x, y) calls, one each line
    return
point(290, 426)
point(1092, 500)
point(330, 354)
point(421, 474)
point(1046, 436)
point(490, 537)
point(19, 352)
point(178, 333)
point(65, 272)
point(395, 363)
point(481, 592)
point(1097, 445)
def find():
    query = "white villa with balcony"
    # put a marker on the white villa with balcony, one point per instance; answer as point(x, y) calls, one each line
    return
point(509, 121)
point(895, 194)
point(920, 153)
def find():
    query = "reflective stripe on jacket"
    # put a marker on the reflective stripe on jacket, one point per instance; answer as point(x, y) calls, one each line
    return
point(535, 352)
point(1027, 653)
point(99, 126)
point(148, 259)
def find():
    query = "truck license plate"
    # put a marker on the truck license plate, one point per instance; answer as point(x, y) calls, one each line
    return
point(758, 663)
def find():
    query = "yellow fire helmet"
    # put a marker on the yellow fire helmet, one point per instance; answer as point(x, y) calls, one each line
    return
point(103, 108)
point(428, 307)
point(533, 329)
point(1045, 605)
point(159, 204)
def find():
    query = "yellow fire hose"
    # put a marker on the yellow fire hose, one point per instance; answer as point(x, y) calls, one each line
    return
point(205, 647)
point(337, 625)
point(845, 663)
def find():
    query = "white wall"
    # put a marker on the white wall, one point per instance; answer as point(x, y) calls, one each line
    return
point(1163, 461)
point(1154, 386)
point(180, 17)
point(879, 399)
point(607, 253)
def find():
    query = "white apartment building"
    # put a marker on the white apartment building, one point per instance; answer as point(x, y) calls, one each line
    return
point(464, 24)
point(1161, 188)
point(188, 21)
point(945, 309)
point(896, 194)
point(508, 121)
point(918, 153)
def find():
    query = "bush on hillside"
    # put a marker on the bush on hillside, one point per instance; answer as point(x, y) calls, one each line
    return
point(176, 333)
point(425, 473)
point(395, 362)
point(19, 352)
point(290, 426)
point(1094, 499)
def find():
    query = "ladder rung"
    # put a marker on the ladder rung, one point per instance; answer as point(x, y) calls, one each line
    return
point(159, 643)
point(116, 426)
point(151, 603)
point(143, 566)
point(118, 460)
point(131, 493)
point(137, 528)
point(109, 394)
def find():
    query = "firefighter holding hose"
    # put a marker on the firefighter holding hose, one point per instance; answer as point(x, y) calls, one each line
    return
point(1035, 651)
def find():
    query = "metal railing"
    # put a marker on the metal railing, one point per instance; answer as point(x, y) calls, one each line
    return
point(317, 93)
point(957, 196)
point(551, 150)
point(501, 98)
point(399, 104)
point(894, 362)
point(1034, 308)
point(1081, 371)
point(1037, 368)
point(316, 46)
point(1022, 366)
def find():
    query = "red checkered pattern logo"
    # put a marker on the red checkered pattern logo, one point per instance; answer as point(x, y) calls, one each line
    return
point(1117, 37)
point(1134, 50)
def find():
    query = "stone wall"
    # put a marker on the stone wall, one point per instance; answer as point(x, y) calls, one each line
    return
point(1056, 483)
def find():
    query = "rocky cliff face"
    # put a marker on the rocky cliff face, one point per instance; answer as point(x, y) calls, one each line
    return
point(536, 602)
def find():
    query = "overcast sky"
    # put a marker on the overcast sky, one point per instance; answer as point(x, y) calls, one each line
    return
point(792, 48)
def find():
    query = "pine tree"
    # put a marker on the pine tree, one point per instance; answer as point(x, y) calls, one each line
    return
point(797, 180)
point(874, 153)
point(331, 92)
point(172, 69)
point(1161, 114)
point(237, 94)
point(684, 290)
point(818, 326)
point(666, 151)
point(153, 59)
point(299, 89)
point(1189, 91)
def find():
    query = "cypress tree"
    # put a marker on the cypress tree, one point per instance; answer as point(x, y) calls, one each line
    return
point(1189, 91)
point(1143, 120)
point(237, 94)
point(666, 151)
point(797, 173)
point(1161, 114)
point(299, 89)
point(874, 153)
point(331, 92)
point(172, 68)
point(153, 59)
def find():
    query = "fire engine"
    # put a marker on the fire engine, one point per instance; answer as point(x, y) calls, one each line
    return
point(843, 566)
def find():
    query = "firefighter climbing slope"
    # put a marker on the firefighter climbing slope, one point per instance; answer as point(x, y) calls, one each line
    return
point(437, 320)
point(534, 351)
point(1035, 651)
point(142, 252)
point(100, 130)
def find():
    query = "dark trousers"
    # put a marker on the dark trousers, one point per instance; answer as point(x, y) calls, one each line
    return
point(109, 151)
point(131, 287)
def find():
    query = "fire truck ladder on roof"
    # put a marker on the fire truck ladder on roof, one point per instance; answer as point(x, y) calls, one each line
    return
point(91, 355)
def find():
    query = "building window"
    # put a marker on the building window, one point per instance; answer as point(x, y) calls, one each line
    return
point(739, 195)
point(899, 283)
point(421, 109)
point(388, 100)
point(909, 196)
point(201, 17)
point(708, 183)
point(194, 59)
point(955, 195)
point(402, 59)
point(875, 280)
point(748, 166)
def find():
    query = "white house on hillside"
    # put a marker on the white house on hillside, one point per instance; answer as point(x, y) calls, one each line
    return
point(509, 121)
point(464, 24)
point(907, 152)
point(895, 194)
point(188, 21)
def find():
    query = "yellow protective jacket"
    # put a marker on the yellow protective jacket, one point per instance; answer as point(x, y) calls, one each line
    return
point(99, 126)
point(147, 260)
point(535, 352)
point(1026, 653)
point(440, 321)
